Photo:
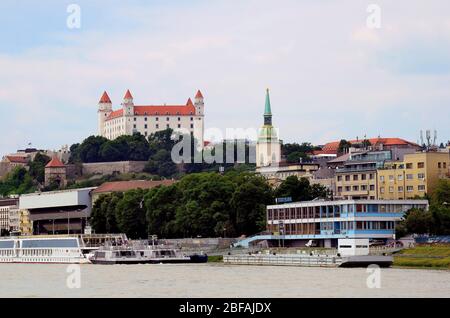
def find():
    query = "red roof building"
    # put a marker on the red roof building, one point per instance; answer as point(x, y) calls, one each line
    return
point(385, 143)
point(55, 163)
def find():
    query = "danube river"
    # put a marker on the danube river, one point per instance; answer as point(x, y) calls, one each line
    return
point(215, 280)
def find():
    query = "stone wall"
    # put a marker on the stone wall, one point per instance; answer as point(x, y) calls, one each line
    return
point(5, 168)
point(108, 168)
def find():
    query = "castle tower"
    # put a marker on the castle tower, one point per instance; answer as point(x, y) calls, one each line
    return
point(199, 119)
point(268, 146)
point(104, 110)
point(128, 112)
point(55, 172)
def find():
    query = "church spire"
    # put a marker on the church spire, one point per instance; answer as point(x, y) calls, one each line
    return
point(267, 111)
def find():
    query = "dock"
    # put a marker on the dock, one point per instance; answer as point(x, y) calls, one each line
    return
point(283, 260)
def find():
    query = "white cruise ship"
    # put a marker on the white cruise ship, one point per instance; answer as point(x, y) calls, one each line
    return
point(66, 250)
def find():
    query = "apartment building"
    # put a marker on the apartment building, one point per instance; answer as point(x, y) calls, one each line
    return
point(416, 175)
point(357, 178)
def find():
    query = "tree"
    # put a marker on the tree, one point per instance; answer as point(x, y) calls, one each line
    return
point(344, 145)
point(418, 221)
point(161, 164)
point(37, 167)
point(130, 214)
point(17, 181)
point(89, 150)
point(298, 190)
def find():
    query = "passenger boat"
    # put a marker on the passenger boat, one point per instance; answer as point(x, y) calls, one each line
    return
point(143, 255)
point(66, 250)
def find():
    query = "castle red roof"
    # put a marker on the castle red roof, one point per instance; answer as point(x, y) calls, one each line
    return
point(115, 114)
point(105, 98)
point(128, 95)
point(161, 110)
point(199, 94)
point(55, 163)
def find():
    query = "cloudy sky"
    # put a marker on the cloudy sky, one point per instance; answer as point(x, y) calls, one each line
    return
point(330, 75)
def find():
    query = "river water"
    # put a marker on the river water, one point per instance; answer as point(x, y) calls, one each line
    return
point(215, 280)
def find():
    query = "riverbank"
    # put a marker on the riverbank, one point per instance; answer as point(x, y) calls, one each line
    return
point(424, 256)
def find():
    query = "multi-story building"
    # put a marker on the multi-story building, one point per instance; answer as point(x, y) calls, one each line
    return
point(357, 179)
point(416, 175)
point(327, 221)
point(8, 212)
point(146, 120)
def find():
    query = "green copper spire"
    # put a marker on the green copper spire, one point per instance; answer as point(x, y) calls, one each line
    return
point(268, 111)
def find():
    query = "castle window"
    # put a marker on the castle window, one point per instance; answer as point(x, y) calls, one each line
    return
point(179, 126)
point(134, 118)
point(179, 118)
point(168, 118)
point(134, 126)
point(157, 126)
point(157, 118)
point(192, 125)
point(145, 126)
point(168, 126)
point(145, 133)
point(192, 118)
point(145, 118)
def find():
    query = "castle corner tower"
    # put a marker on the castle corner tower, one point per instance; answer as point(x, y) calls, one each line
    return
point(104, 110)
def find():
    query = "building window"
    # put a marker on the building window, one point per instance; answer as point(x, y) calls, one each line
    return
point(421, 175)
point(339, 178)
point(347, 178)
point(372, 187)
point(439, 165)
point(348, 188)
point(409, 166)
point(339, 189)
point(410, 188)
point(422, 188)
point(371, 176)
point(400, 177)
point(355, 188)
point(363, 188)
point(391, 178)
point(391, 189)
point(355, 177)
point(400, 189)
point(421, 165)
point(382, 190)
point(409, 177)
point(363, 177)
point(381, 178)
point(445, 165)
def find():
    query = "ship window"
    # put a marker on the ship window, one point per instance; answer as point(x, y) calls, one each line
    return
point(54, 243)
point(6, 244)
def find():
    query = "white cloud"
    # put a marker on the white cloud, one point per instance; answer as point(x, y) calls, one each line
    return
point(321, 63)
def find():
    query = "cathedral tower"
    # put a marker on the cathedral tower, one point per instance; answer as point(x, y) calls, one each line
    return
point(268, 146)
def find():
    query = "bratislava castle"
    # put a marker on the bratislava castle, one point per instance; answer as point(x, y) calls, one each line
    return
point(148, 119)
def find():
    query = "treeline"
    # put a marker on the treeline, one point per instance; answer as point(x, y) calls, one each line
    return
point(22, 180)
point(156, 149)
point(202, 204)
point(435, 221)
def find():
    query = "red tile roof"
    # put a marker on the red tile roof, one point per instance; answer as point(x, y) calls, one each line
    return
point(17, 159)
point(55, 163)
point(128, 95)
point(199, 94)
point(332, 147)
point(105, 98)
point(122, 186)
point(115, 114)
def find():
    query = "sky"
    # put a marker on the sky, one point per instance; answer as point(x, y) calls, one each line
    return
point(331, 76)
